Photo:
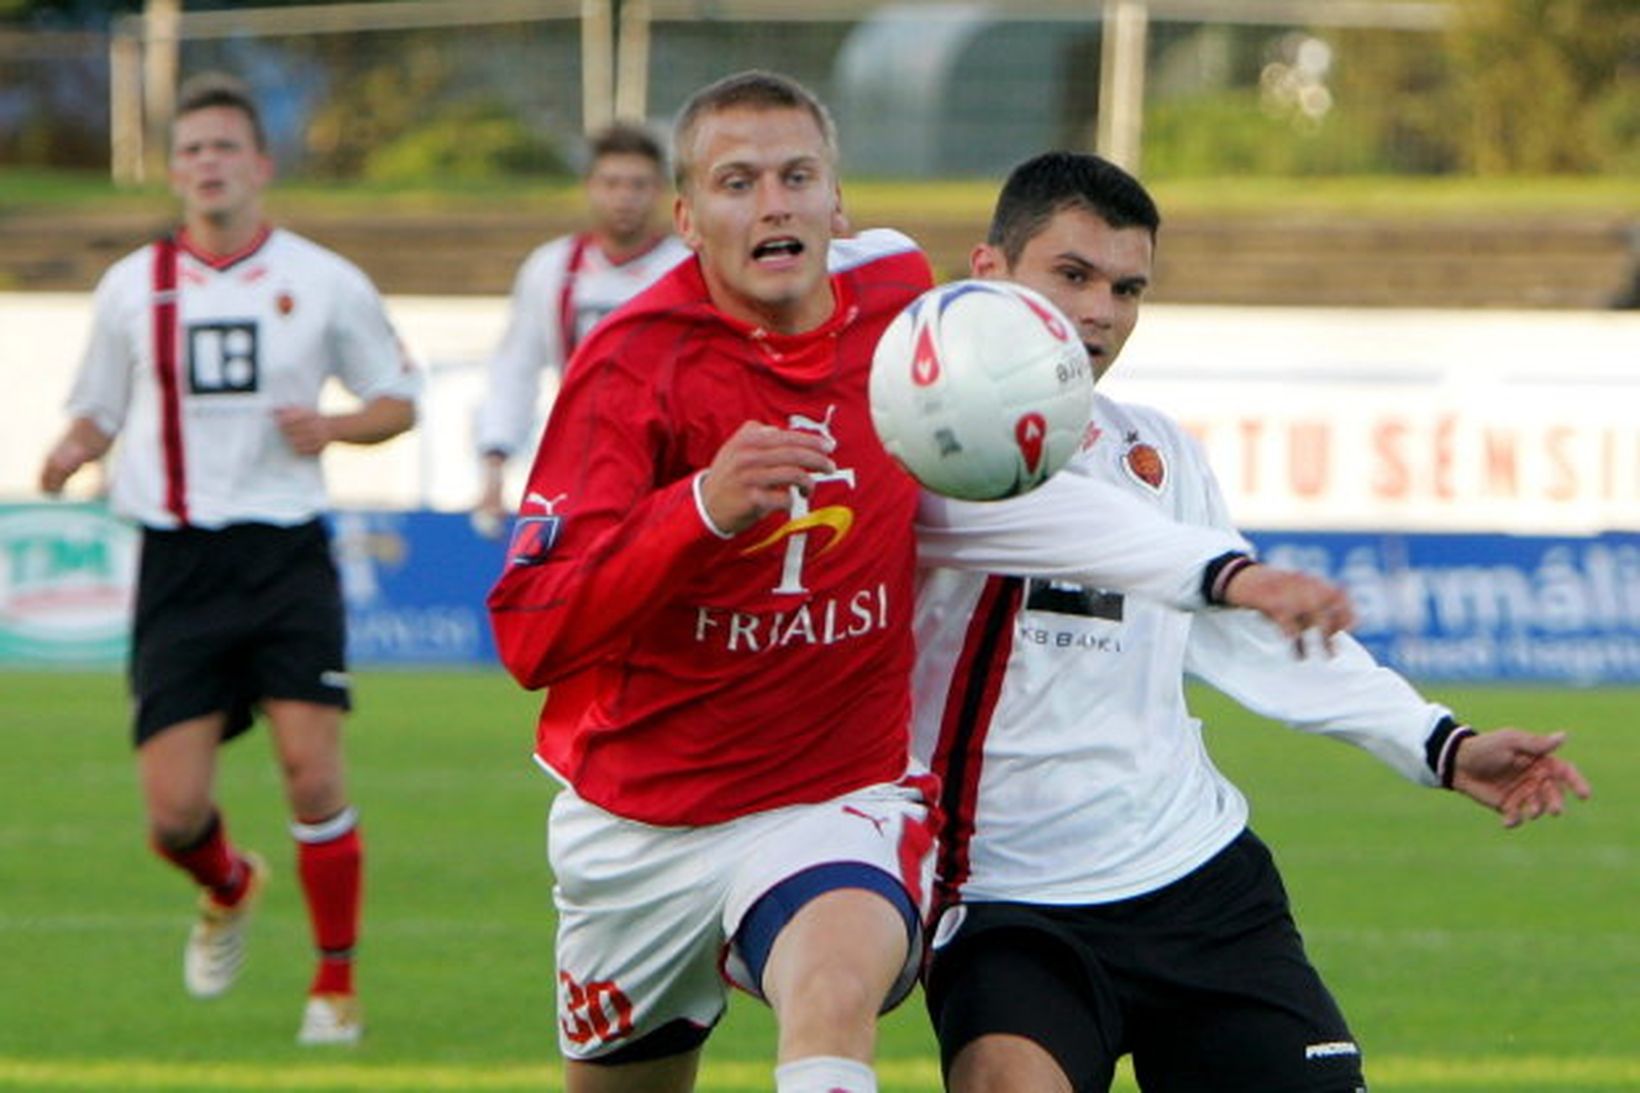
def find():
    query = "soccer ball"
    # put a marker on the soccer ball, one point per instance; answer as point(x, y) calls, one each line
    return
point(981, 389)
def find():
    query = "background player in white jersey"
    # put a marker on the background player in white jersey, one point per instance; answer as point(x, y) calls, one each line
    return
point(207, 355)
point(565, 287)
point(1093, 860)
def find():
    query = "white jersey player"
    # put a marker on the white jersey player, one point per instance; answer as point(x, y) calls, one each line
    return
point(1093, 859)
point(192, 356)
point(207, 355)
point(564, 288)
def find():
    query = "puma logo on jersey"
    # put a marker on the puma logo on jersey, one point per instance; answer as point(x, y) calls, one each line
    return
point(822, 426)
point(547, 504)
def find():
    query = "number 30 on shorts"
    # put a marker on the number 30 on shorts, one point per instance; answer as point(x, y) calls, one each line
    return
point(598, 1010)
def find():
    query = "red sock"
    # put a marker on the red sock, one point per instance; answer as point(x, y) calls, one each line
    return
point(329, 858)
point(213, 863)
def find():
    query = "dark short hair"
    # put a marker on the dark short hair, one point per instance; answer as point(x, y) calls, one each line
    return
point(1047, 184)
point(755, 88)
point(209, 89)
point(625, 138)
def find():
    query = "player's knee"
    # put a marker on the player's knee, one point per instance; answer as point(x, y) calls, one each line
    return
point(315, 788)
point(178, 826)
point(837, 996)
point(1005, 1064)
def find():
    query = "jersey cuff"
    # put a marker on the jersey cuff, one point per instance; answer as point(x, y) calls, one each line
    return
point(1441, 748)
point(700, 508)
point(1220, 572)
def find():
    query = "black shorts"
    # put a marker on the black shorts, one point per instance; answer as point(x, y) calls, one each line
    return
point(1204, 982)
point(227, 618)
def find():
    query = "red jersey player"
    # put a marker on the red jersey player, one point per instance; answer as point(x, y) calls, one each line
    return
point(712, 571)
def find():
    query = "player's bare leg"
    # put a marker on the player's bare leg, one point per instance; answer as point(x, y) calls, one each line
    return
point(1006, 1064)
point(177, 769)
point(829, 972)
point(673, 1074)
point(308, 737)
point(329, 856)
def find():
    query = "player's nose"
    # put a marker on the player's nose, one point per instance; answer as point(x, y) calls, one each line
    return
point(1096, 307)
point(772, 200)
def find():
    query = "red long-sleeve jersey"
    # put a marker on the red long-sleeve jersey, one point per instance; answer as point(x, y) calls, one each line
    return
point(693, 679)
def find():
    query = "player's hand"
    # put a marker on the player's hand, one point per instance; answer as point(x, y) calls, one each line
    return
point(306, 430)
point(61, 462)
point(755, 471)
point(1299, 603)
point(1517, 774)
point(489, 515)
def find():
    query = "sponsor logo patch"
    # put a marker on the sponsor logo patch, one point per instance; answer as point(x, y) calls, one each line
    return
point(1143, 463)
point(533, 538)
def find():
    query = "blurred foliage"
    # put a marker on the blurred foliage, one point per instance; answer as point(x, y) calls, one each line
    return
point(1512, 87)
point(1547, 85)
point(1230, 134)
point(415, 115)
point(382, 102)
point(465, 143)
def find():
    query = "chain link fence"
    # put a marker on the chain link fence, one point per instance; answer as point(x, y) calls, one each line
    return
point(449, 89)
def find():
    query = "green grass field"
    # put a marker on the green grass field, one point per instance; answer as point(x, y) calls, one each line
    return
point(1467, 957)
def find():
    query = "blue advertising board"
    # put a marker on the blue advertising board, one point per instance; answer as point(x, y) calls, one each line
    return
point(414, 584)
point(1481, 607)
point(1554, 609)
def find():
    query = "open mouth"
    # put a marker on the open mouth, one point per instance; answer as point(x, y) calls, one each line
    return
point(777, 248)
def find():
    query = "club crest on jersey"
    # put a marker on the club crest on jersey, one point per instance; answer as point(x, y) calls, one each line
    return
point(533, 538)
point(1144, 464)
point(284, 303)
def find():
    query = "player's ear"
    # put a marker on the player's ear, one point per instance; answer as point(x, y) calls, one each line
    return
point(986, 262)
point(839, 218)
point(683, 222)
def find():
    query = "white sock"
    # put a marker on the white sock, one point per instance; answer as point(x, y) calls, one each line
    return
point(824, 1074)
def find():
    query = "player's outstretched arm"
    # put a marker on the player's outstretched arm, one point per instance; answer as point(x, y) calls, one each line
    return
point(309, 432)
point(80, 444)
point(1517, 774)
point(753, 474)
point(1297, 602)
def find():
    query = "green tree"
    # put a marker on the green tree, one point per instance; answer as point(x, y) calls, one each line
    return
point(1547, 86)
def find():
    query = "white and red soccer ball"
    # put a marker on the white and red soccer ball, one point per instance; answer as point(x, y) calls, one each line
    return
point(981, 389)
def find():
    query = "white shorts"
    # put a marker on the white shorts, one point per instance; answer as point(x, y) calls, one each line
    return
point(646, 914)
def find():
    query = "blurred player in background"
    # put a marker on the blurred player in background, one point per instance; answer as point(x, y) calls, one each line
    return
point(207, 355)
point(1092, 858)
point(565, 287)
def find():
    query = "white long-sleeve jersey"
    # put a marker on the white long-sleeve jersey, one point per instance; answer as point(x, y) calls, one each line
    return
point(1054, 711)
point(563, 288)
point(187, 368)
